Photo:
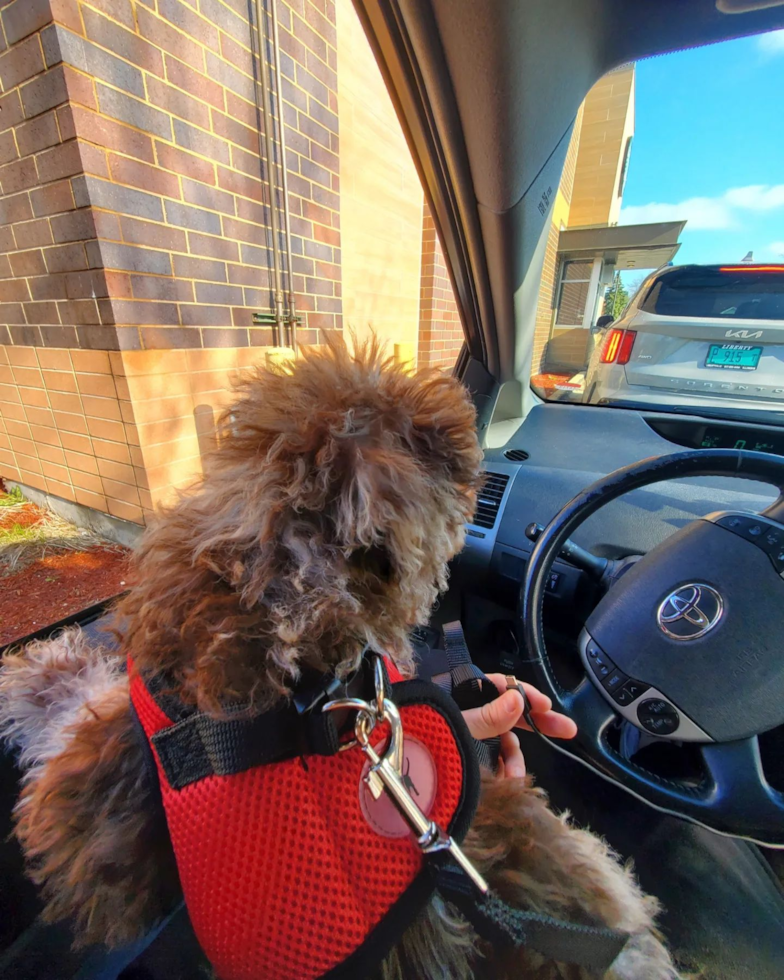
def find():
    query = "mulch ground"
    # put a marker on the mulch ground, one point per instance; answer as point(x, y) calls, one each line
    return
point(55, 581)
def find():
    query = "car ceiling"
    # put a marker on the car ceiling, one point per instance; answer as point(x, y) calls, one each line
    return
point(487, 91)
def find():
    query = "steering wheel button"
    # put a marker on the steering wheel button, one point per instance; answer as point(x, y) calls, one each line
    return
point(635, 689)
point(614, 681)
point(623, 696)
point(658, 716)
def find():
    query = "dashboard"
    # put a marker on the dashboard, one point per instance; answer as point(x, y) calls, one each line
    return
point(557, 451)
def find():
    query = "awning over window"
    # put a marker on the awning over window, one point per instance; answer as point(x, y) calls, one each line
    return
point(624, 246)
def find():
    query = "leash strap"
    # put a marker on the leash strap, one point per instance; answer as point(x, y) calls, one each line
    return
point(501, 925)
point(470, 688)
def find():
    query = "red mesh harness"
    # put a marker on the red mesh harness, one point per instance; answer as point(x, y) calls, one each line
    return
point(289, 869)
point(283, 875)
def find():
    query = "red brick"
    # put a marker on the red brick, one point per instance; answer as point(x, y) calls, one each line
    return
point(59, 161)
point(164, 36)
point(30, 263)
point(18, 176)
point(48, 287)
point(38, 134)
point(73, 226)
point(118, 284)
point(189, 22)
point(328, 235)
point(12, 313)
point(44, 92)
point(241, 110)
point(112, 135)
point(23, 17)
point(52, 199)
point(206, 196)
point(10, 110)
point(13, 290)
point(162, 289)
point(235, 132)
point(138, 232)
point(177, 102)
point(213, 247)
point(7, 147)
point(66, 12)
point(189, 268)
point(127, 171)
point(194, 82)
point(13, 209)
point(182, 162)
point(21, 62)
point(237, 54)
point(120, 10)
point(79, 311)
point(66, 258)
point(93, 160)
point(80, 88)
point(121, 42)
point(41, 313)
point(240, 184)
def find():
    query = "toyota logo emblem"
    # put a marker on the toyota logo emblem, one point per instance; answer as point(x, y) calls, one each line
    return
point(690, 612)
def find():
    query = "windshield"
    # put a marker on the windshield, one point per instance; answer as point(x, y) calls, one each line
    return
point(671, 307)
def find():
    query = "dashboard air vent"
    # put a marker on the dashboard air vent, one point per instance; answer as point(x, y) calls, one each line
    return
point(490, 499)
point(516, 455)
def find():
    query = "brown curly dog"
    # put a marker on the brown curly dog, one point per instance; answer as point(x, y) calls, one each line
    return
point(336, 497)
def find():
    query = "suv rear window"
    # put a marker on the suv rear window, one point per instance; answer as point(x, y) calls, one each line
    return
point(737, 293)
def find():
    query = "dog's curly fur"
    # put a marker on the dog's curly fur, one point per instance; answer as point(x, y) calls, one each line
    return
point(325, 521)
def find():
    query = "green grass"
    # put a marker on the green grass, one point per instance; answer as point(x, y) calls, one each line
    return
point(12, 498)
point(16, 534)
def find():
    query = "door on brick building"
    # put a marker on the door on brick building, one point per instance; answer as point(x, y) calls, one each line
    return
point(568, 348)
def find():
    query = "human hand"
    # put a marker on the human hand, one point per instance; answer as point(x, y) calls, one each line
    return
point(499, 717)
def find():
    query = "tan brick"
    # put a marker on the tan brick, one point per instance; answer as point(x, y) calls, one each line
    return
point(91, 361)
point(42, 433)
point(53, 454)
point(22, 356)
point(59, 489)
point(32, 479)
point(106, 429)
point(24, 446)
point(120, 491)
point(116, 452)
point(68, 422)
point(39, 416)
point(9, 393)
point(54, 472)
point(55, 359)
point(59, 381)
point(31, 377)
point(76, 442)
point(95, 500)
point(34, 396)
point(101, 385)
point(126, 511)
point(81, 461)
point(101, 408)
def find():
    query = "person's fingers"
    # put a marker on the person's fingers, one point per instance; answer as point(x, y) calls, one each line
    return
point(511, 757)
point(537, 700)
point(495, 718)
point(548, 722)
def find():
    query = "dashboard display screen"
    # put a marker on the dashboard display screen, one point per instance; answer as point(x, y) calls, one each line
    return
point(761, 441)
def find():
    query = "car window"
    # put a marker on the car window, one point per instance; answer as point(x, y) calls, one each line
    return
point(663, 281)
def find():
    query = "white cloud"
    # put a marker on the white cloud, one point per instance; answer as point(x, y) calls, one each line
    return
point(709, 213)
point(775, 249)
point(772, 43)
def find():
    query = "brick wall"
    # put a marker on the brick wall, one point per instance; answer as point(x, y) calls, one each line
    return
point(440, 330)
point(134, 231)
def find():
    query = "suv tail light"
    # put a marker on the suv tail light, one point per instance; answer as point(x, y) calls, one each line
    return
point(618, 346)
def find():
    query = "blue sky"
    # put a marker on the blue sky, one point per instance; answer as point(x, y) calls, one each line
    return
point(709, 147)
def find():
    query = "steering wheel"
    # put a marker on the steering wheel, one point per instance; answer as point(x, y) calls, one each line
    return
point(688, 645)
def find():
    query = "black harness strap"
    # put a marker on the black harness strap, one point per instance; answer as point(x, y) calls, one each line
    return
point(470, 688)
point(502, 925)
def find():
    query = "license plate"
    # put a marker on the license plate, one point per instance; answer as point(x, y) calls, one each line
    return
point(735, 357)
